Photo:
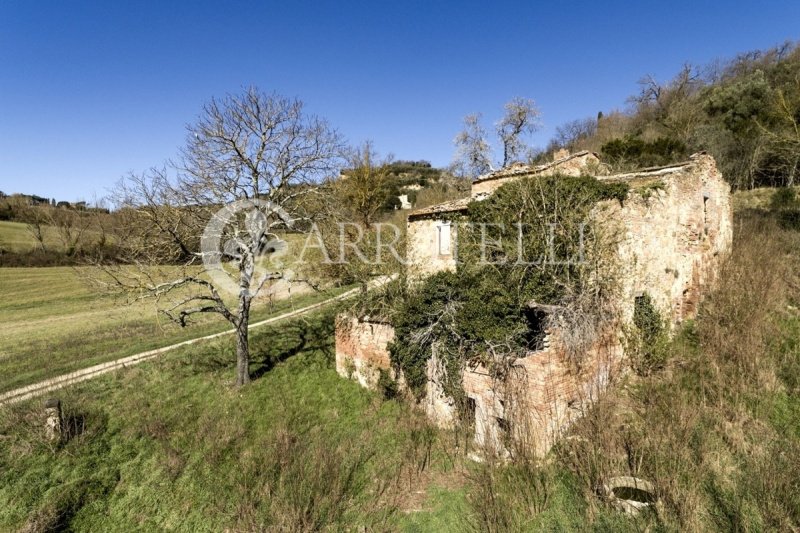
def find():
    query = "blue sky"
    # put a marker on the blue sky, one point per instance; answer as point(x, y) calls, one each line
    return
point(90, 91)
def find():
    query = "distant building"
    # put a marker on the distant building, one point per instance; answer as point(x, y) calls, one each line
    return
point(404, 202)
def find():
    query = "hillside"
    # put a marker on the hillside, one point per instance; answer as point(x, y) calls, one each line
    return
point(53, 321)
point(15, 237)
point(744, 111)
point(700, 400)
point(168, 444)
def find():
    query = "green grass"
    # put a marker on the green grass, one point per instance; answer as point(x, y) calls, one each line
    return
point(758, 198)
point(170, 445)
point(446, 512)
point(52, 322)
point(15, 237)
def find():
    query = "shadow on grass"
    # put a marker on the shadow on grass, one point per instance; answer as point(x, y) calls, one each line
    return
point(268, 346)
point(74, 425)
point(274, 345)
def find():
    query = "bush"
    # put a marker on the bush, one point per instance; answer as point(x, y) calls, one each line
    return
point(789, 219)
point(635, 153)
point(783, 198)
point(647, 343)
point(481, 312)
point(785, 204)
point(386, 385)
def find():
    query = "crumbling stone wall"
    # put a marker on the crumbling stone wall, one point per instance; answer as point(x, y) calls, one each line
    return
point(362, 354)
point(672, 232)
point(361, 349)
point(570, 165)
point(540, 395)
point(439, 407)
point(676, 227)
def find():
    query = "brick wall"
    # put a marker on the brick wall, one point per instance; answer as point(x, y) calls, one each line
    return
point(670, 236)
point(362, 349)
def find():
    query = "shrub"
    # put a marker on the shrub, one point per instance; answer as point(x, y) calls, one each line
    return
point(481, 312)
point(786, 205)
point(386, 385)
point(783, 198)
point(789, 219)
point(636, 153)
point(648, 341)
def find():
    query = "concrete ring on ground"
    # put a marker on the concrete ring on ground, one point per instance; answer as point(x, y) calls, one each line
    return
point(629, 494)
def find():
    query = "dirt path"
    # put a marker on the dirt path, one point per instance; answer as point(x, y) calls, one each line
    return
point(35, 389)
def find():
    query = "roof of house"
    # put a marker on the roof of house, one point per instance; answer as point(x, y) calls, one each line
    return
point(461, 204)
point(647, 172)
point(521, 169)
point(453, 206)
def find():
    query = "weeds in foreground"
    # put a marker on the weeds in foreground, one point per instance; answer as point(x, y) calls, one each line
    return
point(713, 425)
point(298, 450)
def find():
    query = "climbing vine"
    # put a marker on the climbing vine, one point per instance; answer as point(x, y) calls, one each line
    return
point(647, 339)
point(532, 245)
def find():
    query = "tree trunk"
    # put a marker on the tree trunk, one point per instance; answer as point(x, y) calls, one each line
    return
point(242, 346)
point(242, 355)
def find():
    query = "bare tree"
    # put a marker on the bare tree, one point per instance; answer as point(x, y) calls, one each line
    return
point(670, 105)
point(783, 137)
point(216, 216)
point(36, 224)
point(67, 225)
point(473, 153)
point(70, 226)
point(571, 133)
point(521, 118)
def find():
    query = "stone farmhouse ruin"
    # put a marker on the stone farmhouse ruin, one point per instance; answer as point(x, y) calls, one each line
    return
point(671, 243)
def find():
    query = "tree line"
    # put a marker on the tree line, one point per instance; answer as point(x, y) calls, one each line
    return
point(744, 111)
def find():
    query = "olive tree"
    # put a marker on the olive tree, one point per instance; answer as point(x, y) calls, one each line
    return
point(365, 186)
point(473, 150)
point(521, 118)
point(473, 153)
point(203, 234)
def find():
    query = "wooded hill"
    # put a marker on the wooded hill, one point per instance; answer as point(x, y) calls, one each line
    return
point(744, 111)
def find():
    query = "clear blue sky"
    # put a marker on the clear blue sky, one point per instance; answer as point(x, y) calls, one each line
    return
point(90, 91)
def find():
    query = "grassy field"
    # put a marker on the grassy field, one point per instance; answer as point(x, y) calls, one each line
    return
point(759, 198)
point(170, 445)
point(52, 322)
point(15, 237)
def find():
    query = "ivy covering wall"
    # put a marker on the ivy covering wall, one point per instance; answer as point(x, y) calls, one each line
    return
point(530, 246)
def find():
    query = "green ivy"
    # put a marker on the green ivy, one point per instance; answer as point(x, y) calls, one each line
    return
point(649, 338)
point(480, 310)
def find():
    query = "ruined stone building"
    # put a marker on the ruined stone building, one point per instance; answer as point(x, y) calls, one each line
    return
point(671, 242)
